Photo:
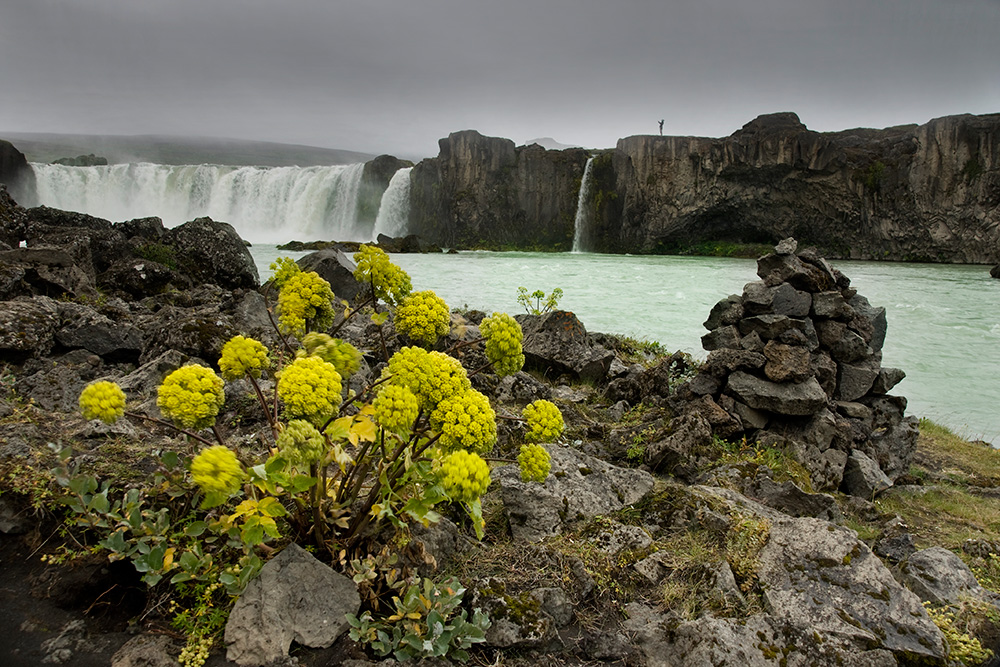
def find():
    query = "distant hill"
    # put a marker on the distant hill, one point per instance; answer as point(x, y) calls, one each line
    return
point(39, 147)
point(548, 143)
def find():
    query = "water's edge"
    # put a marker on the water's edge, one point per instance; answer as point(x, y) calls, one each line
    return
point(944, 320)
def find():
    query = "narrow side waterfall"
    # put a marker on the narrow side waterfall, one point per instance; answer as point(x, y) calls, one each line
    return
point(581, 223)
point(264, 204)
point(394, 211)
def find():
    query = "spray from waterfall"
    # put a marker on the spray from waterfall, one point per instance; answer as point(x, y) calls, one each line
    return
point(264, 204)
point(581, 223)
point(394, 210)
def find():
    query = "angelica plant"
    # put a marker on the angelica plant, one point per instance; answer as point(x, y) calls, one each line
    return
point(341, 466)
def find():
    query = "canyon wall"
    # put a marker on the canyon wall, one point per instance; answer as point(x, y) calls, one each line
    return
point(483, 192)
point(915, 193)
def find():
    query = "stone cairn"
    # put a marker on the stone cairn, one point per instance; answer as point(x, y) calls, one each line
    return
point(795, 362)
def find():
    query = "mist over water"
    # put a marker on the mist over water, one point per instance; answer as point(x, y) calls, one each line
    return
point(943, 320)
point(264, 204)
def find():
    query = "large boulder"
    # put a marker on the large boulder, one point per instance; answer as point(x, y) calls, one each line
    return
point(938, 576)
point(212, 252)
point(27, 328)
point(557, 343)
point(295, 598)
point(336, 268)
point(44, 272)
point(578, 487)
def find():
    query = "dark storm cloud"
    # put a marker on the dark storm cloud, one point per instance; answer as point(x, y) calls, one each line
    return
point(396, 75)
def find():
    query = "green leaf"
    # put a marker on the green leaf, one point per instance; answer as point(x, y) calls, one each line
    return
point(380, 318)
point(99, 502)
point(275, 464)
point(170, 460)
point(300, 483)
point(271, 507)
point(115, 541)
point(181, 577)
point(195, 528)
point(188, 561)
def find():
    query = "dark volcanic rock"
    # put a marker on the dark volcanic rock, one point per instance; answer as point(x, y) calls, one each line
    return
point(557, 343)
point(212, 252)
point(336, 268)
point(15, 172)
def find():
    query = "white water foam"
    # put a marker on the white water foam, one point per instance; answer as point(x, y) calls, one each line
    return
point(581, 222)
point(264, 204)
point(394, 210)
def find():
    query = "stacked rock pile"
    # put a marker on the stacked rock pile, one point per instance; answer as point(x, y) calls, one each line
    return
point(795, 361)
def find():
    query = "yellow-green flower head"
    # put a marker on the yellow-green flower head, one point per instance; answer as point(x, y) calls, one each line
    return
point(465, 421)
point(283, 268)
point(243, 356)
point(535, 463)
point(465, 476)
point(423, 316)
point(374, 268)
point(544, 421)
point(301, 442)
point(217, 470)
point(102, 400)
point(310, 389)
point(503, 335)
point(191, 396)
point(431, 376)
point(345, 357)
point(305, 302)
point(396, 408)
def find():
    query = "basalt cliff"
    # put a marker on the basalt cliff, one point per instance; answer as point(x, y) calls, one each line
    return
point(929, 192)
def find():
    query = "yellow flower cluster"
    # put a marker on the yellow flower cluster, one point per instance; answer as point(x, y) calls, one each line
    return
point(305, 301)
point(191, 396)
point(310, 389)
point(301, 442)
point(535, 463)
point(465, 476)
point(243, 356)
point(282, 269)
point(431, 376)
point(423, 316)
point(396, 408)
point(390, 282)
point(544, 421)
point(345, 357)
point(503, 335)
point(465, 421)
point(217, 470)
point(102, 400)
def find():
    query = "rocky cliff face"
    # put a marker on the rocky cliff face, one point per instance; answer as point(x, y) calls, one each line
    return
point(483, 192)
point(929, 192)
point(908, 193)
point(15, 172)
point(374, 181)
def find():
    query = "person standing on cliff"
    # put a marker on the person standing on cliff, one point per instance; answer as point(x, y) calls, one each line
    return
point(661, 127)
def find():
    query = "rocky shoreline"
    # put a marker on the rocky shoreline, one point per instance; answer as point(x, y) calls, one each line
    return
point(748, 510)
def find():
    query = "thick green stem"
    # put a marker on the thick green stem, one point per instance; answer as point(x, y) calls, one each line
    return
point(271, 417)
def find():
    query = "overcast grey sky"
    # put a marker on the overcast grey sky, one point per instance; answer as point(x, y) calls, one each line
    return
point(396, 75)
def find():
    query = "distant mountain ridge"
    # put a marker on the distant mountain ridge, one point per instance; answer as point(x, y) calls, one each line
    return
point(165, 149)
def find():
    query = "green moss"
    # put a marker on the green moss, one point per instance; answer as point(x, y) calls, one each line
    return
point(159, 253)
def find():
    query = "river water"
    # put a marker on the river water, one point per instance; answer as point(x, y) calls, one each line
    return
point(944, 320)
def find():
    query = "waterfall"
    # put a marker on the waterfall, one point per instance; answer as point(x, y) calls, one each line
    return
point(394, 210)
point(264, 204)
point(581, 223)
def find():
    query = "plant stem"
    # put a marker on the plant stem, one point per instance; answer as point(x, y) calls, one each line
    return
point(162, 422)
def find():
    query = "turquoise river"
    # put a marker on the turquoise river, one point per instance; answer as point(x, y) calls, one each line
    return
point(944, 320)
